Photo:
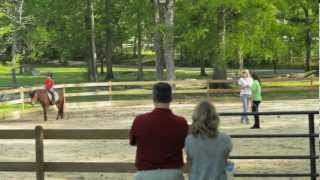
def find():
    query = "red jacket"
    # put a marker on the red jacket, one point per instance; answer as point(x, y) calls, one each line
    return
point(49, 83)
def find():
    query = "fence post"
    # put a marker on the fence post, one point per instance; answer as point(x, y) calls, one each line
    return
point(110, 91)
point(313, 167)
point(39, 153)
point(22, 98)
point(311, 81)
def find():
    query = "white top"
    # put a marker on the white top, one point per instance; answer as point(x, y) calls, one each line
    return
point(245, 84)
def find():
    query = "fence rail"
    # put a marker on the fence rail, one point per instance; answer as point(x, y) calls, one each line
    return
point(40, 134)
point(108, 91)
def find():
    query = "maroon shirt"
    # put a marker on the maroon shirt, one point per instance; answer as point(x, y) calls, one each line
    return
point(159, 136)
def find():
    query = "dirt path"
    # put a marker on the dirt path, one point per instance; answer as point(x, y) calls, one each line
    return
point(118, 151)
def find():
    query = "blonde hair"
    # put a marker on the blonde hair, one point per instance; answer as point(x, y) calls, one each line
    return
point(246, 71)
point(205, 120)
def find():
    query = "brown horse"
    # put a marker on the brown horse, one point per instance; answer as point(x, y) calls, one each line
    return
point(42, 97)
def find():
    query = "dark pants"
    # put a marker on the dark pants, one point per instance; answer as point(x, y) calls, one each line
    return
point(255, 108)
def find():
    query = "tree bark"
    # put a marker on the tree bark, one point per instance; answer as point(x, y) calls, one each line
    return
point(308, 38)
point(158, 41)
point(308, 41)
point(135, 47)
point(140, 63)
point(169, 40)
point(88, 28)
point(108, 10)
point(93, 51)
point(159, 62)
point(17, 13)
point(203, 67)
point(102, 66)
point(275, 65)
point(240, 57)
point(220, 69)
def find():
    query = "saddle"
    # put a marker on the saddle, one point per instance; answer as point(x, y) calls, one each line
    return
point(56, 97)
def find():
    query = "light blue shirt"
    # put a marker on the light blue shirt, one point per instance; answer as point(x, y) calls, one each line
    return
point(207, 156)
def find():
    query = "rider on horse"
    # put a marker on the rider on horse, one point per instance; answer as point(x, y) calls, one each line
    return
point(49, 85)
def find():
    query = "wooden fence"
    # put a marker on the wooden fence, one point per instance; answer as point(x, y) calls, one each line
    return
point(110, 85)
point(40, 134)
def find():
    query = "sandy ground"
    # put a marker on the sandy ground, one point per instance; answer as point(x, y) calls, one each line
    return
point(119, 151)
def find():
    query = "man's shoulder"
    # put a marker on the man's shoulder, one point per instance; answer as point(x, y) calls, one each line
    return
point(180, 120)
point(142, 116)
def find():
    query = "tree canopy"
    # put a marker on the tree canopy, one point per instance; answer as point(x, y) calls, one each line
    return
point(218, 34)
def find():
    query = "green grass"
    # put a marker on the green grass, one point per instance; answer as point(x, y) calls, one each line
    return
point(77, 74)
point(290, 83)
point(64, 75)
point(14, 107)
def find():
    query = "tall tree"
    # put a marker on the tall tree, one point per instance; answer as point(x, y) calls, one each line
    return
point(139, 36)
point(92, 41)
point(108, 11)
point(13, 11)
point(168, 39)
point(158, 41)
point(220, 68)
point(303, 14)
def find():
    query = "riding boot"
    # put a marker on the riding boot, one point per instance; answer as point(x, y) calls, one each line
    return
point(53, 101)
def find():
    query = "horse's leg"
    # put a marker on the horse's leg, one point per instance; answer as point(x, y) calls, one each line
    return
point(62, 110)
point(44, 112)
point(59, 113)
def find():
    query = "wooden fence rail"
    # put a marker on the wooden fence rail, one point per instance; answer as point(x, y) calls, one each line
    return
point(109, 91)
point(40, 134)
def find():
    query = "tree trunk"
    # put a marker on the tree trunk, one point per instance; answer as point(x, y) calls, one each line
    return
point(308, 39)
point(20, 11)
point(93, 51)
point(275, 65)
point(135, 46)
point(102, 66)
point(159, 62)
point(13, 59)
point(140, 63)
point(108, 10)
point(181, 54)
point(220, 69)
point(240, 57)
point(291, 56)
point(17, 13)
point(88, 28)
point(168, 43)
point(202, 65)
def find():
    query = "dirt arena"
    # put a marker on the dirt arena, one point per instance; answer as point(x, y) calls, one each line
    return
point(111, 117)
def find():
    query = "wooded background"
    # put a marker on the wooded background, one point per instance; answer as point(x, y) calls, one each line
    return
point(218, 34)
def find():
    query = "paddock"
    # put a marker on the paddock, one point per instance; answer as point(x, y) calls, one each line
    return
point(121, 117)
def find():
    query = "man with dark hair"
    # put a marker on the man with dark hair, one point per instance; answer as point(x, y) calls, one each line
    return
point(159, 136)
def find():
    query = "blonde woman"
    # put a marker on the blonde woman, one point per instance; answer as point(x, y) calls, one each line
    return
point(245, 83)
point(207, 149)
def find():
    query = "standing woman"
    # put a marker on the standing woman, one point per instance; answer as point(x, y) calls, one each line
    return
point(207, 149)
point(245, 83)
point(256, 99)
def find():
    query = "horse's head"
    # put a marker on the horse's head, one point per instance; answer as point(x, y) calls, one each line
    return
point(34, 97)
